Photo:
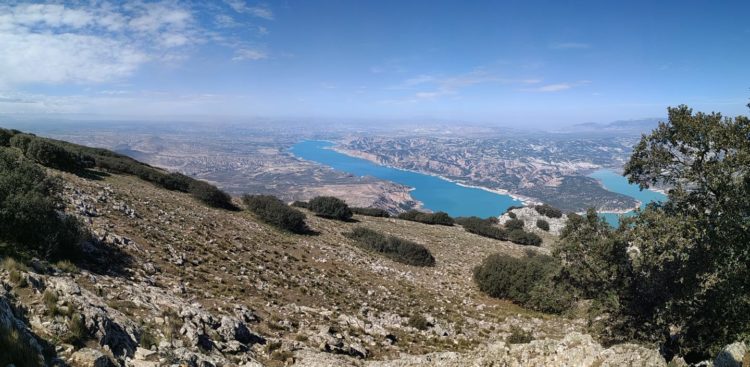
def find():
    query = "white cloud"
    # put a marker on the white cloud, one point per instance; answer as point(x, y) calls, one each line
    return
point(569, 46)
point(103, 41)
point(260, 11)
point(249, 54)
point(451, 85)
point(557, 87)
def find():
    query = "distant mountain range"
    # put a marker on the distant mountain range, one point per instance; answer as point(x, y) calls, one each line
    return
point(634, 126)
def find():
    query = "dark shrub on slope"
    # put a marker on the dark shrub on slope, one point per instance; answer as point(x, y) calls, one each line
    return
point(482, 227)
point(210, 195)
point(512, 278)
point(542, 224)
point(514, 224)
point(274, 212)
point(330, 207)
point(395, 248)
point(29, 217)
point(522, 237)
point(548, 211)
point(440, 218)
point(371, 212)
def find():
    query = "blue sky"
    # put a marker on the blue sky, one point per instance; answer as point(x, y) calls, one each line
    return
point(516, 63)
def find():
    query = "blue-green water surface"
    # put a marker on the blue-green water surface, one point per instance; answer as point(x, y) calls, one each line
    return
point(619, 184)
point(435, 193)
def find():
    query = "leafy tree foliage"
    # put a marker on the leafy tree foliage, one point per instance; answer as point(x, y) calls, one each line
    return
point(395, 248)
point(548, 211)
point(210, 195)
point(542, 224)
point(371, 212)
point(330, 207)
point(441, 218)
point(275, 212)
point(29, 217)
point(695, 248)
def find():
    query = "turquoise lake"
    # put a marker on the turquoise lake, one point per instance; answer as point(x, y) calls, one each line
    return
point(619, 184)
point(434, 192)
point(438, 194)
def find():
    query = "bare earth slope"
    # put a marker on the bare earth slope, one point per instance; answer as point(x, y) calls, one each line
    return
point(190, 284)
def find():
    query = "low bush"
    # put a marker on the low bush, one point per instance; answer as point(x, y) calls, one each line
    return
point(330, 207)
point(77, 332)
point(512, 278)
point(300, 204)
point(522, 237)
point(371, 212)
point(518, 336)
point(395, 248)
point(276, 213)
point(482, 227)
point(514, 224)
point(542, 224)
point(548, 211)
point(418, 322)
point(440, 218)
point(512, 215)
point(210, 195)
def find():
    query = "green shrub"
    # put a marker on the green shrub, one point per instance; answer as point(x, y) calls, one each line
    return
point(512, 278)
point(77, 332)
point(29, 217)
point(395, 248)
point(15, 351)
point(67, 267)
point(330, 207)
point(512, 215)
point(518, 336)
point(275, 212)
point(371, 212)
point(418, 322)
point(300, 204)
point(548, 211)
point(5, 136)
point(522, 237)
point(440, 218)
point(514, 224)
point(482, 227)
point(542, 224)
point(210, 195)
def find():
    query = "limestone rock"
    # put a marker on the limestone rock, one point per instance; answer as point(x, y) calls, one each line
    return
point(88, 357)
point(731, 355)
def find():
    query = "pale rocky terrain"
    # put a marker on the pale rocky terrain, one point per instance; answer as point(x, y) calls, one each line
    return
point(529, 216)
point(177, 283)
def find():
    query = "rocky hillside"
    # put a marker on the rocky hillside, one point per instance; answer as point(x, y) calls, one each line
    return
point(179, 282)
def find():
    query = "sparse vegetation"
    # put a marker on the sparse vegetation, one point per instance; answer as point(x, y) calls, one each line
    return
point(542, 224)
point(395, 248)
point(67, 267)
point(548, 211)
point(330, 207)
point(440, 218)
point(275, 212)
point(77, 332)
point(371, 212)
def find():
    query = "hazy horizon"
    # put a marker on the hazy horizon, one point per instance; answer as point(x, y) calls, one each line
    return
point(517, 64)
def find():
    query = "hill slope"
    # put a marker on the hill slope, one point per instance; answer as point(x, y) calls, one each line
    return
point(175, 281)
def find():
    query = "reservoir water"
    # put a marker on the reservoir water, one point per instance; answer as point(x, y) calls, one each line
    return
point(619, 184)
point(435, 193)
point(438, 194)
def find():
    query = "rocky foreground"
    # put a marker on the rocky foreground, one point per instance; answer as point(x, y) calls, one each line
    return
point(177, 283)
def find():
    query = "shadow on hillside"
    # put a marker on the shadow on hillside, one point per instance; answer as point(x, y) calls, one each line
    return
point(91, 174)
point(104, 258)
